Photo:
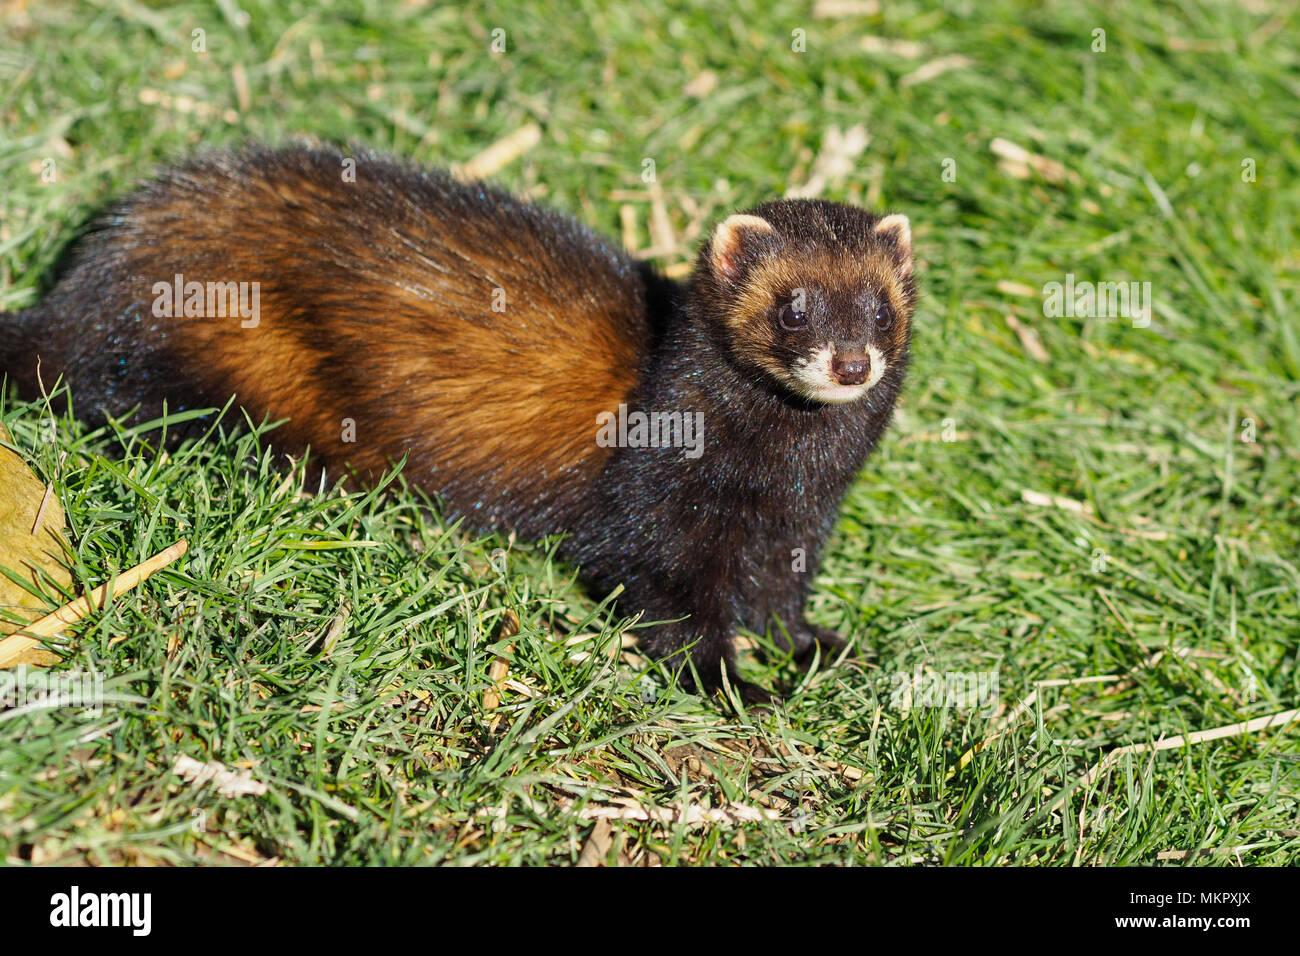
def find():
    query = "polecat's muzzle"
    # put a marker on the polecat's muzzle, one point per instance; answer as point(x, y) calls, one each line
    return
point(851, 369)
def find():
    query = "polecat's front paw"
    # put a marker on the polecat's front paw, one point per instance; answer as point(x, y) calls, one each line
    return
point(815, 636)
point(754, 695)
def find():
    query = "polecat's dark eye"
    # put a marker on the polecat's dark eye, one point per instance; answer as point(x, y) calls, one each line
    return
point(792, 319)
point(883, 318)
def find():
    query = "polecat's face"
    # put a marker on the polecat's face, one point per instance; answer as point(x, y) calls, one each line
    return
point(826, 344)
point(816, 296)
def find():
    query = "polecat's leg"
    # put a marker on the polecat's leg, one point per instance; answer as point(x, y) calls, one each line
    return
point(700, 605)
point(783, 610)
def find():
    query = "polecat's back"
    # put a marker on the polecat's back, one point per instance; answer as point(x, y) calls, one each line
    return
point(355, 307)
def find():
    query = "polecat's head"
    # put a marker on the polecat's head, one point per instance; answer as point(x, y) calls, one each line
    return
point(816, 296)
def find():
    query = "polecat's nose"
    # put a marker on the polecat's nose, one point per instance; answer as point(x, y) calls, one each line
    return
point(852, 370)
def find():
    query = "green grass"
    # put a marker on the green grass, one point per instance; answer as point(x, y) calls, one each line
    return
point(339, 643)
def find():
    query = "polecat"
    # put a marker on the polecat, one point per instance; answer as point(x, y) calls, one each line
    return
point(692, 442)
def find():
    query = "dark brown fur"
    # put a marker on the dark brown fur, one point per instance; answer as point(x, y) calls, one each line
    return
point(376, 306)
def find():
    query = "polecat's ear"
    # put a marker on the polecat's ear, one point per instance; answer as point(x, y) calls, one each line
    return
point(897, 230)
point(730, 240)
